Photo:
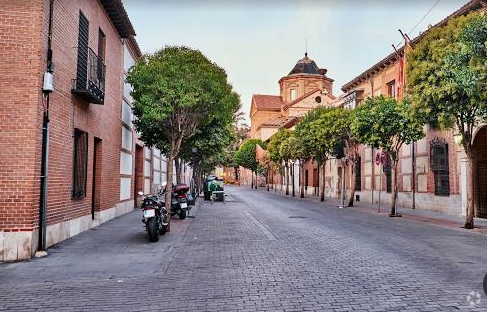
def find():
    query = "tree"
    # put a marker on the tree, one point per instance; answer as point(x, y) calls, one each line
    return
point(176, 90)
point(245, 156)
point(312, 141)
point(334, 130)
point(287, 155)
point(209, 147)
point(279, 155)
point(384, 122)
point(447, 83)
point(303, 143)
point(331, 130)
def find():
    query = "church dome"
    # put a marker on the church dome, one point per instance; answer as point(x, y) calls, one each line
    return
point(307, 66)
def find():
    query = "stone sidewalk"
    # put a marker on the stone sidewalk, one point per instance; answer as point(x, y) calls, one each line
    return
point(419, 215)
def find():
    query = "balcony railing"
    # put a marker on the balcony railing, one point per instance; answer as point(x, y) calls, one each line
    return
point(90, 77)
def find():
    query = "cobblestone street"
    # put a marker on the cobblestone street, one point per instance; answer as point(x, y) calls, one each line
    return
point(257, 252)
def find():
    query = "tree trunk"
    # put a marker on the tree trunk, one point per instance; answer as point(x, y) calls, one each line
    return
point(169, 184)
point(256, 180)
point(302, 181)
point(252, 179)
point(293, 179)
point(281, 181)
point(395, 188)
point(178, 170)
point(353, 188)
point(287, 175)
point(469, 223)
point(322, 191)
point(267, 180)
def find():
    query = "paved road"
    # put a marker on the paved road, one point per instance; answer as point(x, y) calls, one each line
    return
point(256, 252)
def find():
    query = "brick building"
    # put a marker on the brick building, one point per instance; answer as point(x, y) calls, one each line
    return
point(432, 171)
point(95, 164)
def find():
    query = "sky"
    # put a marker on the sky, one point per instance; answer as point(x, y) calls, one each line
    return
point(259, 41)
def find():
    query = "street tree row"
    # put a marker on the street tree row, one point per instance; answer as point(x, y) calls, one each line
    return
point(446, 88)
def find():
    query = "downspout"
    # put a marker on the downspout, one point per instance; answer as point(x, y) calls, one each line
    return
point(412, 145)
point(372, 176)
point(45, 144)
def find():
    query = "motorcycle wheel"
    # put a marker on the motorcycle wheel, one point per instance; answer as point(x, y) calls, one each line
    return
point(162, 230)
point(182, 214)
point(152, 230)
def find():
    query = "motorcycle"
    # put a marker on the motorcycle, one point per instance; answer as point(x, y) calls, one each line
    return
point(154, 216)
point(179, 200)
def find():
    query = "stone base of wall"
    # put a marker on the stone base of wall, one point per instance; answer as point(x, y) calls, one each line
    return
point(450, 205)
point(23, 245)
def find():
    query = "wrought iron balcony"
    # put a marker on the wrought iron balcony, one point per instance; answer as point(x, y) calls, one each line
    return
point(90, 76)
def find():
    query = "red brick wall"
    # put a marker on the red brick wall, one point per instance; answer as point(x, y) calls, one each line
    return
point(23, 54)
point(69, 112)
point(20, 95)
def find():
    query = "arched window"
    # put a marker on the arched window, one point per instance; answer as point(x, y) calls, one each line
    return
point(439, 164)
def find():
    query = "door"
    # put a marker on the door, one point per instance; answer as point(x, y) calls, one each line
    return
point(97, 175)
point(139, 172)
point(479, 145)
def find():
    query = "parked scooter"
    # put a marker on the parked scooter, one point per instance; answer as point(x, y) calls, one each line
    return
point(154, 216)
point(179, 200)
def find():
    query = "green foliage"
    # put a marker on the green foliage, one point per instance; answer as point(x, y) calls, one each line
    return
point(296, 151)
point(447, 75)
point(212, 142)
point(175, 91)
point(383, 122)
point(275, 145)
point(245, 156)
point(312, 137)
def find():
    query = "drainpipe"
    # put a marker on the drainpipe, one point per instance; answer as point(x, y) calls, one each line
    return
point(412, 146)
point(47, 89)
point(373, 178)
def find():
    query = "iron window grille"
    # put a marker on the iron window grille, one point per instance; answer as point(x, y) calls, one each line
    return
point(387, 171)
point(80, 162)
point(439, 164)
point(358, 174)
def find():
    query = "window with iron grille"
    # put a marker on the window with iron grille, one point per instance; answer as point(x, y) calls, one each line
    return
point(387, 171)
point(80, 160)
point(439, 164)
point(358, 174)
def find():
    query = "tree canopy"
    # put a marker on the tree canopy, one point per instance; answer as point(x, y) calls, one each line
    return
point(245, 156)
point(384, 122)
point(176, 91)
point(447, 84)
point(275, 143)
point(447, 74)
